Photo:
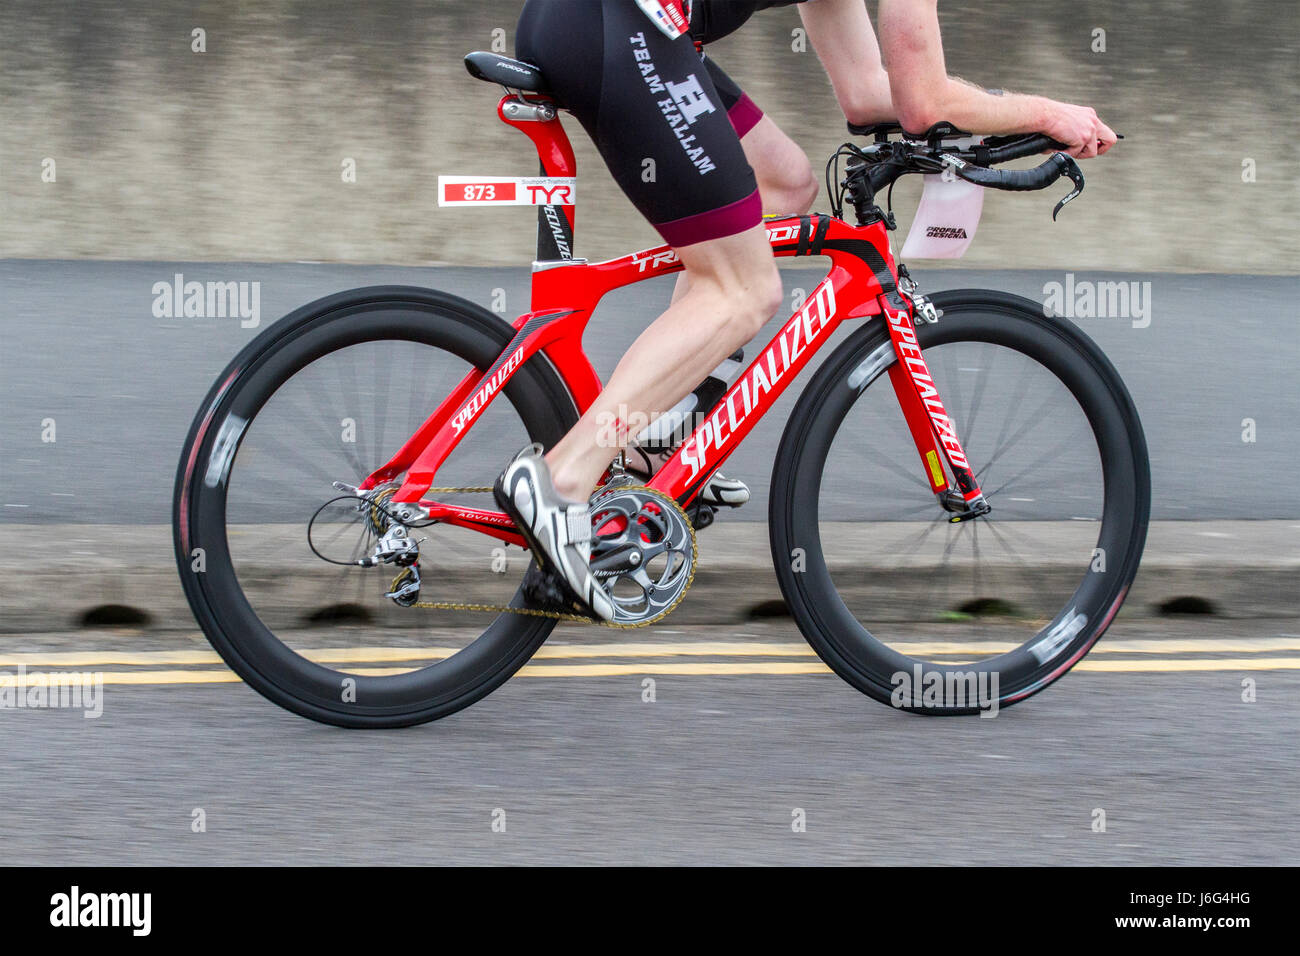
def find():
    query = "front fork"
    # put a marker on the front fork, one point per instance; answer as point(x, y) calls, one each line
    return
point(933, 430)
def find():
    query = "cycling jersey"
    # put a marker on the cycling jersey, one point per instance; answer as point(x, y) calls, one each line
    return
point(666, 120)
point(713, 19)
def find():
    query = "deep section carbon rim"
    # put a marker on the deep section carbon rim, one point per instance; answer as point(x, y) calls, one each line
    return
point(330, 399)
point(877, 575)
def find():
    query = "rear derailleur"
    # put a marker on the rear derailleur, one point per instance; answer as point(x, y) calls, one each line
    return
point(395, 546)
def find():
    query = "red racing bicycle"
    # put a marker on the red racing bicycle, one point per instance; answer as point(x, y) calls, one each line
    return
point(963, 471)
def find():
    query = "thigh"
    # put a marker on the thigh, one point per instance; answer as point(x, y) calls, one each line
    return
point(775, 158)
point(741, 110)
point(655, 116)
point(771, 153)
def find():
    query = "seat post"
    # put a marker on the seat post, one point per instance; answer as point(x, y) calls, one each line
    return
point(536, 117)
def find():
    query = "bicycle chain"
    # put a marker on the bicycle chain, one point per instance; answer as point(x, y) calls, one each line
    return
point(559, 615)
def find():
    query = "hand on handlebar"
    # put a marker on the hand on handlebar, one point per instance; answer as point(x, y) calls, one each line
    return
point(1078, 127)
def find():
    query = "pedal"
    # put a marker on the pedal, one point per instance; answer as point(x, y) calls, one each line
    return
point(701, 515)
point(545, 591)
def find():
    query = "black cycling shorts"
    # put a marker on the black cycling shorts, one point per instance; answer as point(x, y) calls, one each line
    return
point(666, 120)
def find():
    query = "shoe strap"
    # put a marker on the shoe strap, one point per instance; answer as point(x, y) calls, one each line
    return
point(579, 522)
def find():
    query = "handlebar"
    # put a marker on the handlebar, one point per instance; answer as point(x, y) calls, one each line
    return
point(1022, 180)
point(884, 161)
point(1016, 180)
point(1015, 147)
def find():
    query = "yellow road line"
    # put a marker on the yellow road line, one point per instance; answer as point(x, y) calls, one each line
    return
point(720, 668)
point(341, 655)
point(393, 655)
point(1190, 664)
point(146, 677)
point(106, 658)
point(1223, 645)
point(688, 669)
point(691, 668)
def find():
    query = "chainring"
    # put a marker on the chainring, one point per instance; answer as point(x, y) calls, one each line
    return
point(643, 552)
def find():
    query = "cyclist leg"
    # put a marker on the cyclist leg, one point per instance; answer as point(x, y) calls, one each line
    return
point(787, 187)
point(650, 107)
point(734, 289)
point(785, 176)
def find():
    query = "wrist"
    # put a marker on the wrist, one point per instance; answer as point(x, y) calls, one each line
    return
point(1038, 113)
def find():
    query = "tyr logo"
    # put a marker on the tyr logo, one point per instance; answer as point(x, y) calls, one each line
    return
point(550, 195)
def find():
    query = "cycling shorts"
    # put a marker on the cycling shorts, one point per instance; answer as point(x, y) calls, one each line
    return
point(666, 119)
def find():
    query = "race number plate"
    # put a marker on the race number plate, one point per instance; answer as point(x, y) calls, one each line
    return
point(672, 17)
point(505, 190)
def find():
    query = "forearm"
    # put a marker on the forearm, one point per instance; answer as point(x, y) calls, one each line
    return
point(976, 110)
point(923, 93)
point(903, 78)
point(842, 35)
point(840, 32)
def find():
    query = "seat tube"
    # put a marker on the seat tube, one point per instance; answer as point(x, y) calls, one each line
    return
point(538, 120)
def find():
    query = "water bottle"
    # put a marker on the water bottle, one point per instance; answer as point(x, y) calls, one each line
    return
point(947, 215)
point(672, 427)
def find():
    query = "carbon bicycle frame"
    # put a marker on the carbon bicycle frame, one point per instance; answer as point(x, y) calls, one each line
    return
point(861, 283)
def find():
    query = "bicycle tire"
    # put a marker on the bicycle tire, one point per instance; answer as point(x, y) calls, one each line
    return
point(245, 643)
point(968, 316)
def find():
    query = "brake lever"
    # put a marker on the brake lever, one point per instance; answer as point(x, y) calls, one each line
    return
point(1070, 168)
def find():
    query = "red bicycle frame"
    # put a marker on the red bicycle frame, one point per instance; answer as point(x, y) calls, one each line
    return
point(862, 282)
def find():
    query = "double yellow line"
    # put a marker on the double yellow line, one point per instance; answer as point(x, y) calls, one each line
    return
point(725, 658)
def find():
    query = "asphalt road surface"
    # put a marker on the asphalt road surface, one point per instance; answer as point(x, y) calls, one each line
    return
point(1210, 361)
point(746, 736)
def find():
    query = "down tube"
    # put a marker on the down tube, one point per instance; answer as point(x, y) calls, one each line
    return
point(754, 392)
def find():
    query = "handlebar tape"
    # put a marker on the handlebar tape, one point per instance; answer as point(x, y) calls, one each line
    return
point(1026, 147)
point(1017, 180)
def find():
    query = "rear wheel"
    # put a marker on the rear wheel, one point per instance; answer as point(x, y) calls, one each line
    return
point(943, 618)
point(266, 547)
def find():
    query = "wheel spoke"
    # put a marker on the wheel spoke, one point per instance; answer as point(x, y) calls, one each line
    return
point(1056, 451)
point(1016, 402)
point(977, 397)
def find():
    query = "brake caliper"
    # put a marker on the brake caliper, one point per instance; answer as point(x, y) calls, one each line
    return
point(923, 309)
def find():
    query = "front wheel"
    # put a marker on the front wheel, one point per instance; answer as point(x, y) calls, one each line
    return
point(983, 613)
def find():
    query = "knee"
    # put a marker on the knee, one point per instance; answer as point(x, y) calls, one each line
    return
point(736, 307)
point(791, 189)
point(806, 188)
point(754, 301)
